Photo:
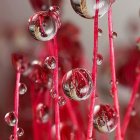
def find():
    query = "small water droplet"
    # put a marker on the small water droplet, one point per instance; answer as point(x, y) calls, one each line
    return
point(114, 35)
point(99, 59)
point(20, 132)
point(19, 62)
point(133, 112)
point(42, 112)
point(11, 137)
point(61, 101)
point(50, 62)
point(53, 93)
point(100, 32)
point(11, 119)
point(22, 88)
point(117, 82)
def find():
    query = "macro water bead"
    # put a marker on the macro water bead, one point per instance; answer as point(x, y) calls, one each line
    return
point(11, 119)
point(43, 25)
point(105, 118)
point(42, 113)
point(77, 84)
point(87, 8)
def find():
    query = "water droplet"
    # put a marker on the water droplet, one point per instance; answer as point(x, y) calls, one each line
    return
point(133, 112)
point(87, 8)
point(77, 84)
point(100, 32)
point(20, 132)
point(11, 119)
point(117, 82)
point(42, 112)
point(99, 59)
point(50, 62)
point(19, 62)
point(44, 25)
point(105, 118)
point(61, 101)
point(114, 35)
point(11, 137)
point(22, 88)
point(53, 93)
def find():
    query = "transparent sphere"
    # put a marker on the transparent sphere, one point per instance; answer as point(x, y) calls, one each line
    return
point(11, 119)
point(20, 132)
point(99, 59)
point(22, 88)
point(11, 137)
point(42, 113)
point(77, 84)
point(87, 8)
point(43, 25)
point(50, 62)
point(61, 101)
point(105, 118)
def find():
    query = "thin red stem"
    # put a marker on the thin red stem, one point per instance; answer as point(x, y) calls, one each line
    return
point(16, 102)
point(130, 107)
point(57, 115)
point(94, 75)
point(113, 73)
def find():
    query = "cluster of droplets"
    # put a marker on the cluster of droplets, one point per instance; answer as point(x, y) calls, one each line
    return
point(43, 25)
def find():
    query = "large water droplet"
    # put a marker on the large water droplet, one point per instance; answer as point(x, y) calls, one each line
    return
point(53, 93)
point(77, 84)
point(44, 25)
point(87, 8)
point(50, 62)
point(11, 119)
point(22, 88)
point(100, 32)
point(105, 118)
point(133, 112)
point(42, 112)
point(114, 35)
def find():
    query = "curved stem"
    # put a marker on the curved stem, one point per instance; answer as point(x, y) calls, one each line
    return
point(94, 75)
point(130, 106)
point(57, 115)
point(16, 102)
point(113, 73)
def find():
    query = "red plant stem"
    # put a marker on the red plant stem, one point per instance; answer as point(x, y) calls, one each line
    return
point(72, 114)
point(113, 73)
point(94, 75)
point(57, 115)
point(16, 103)
point(130, 106)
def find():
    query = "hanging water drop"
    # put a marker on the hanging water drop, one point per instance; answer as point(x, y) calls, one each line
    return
point(100, 32)
point(105, 118)
point(11, 119)
point(44, 24)
point(99, 59)
point(114, 35)
point(87, 8)
point(77, 84)
point(11, 137)
point(61, 101)
point(22, 88)
point(50, 62)
point(133, 112)
point(53, 93)
point(20, 132)
point(42, 113)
